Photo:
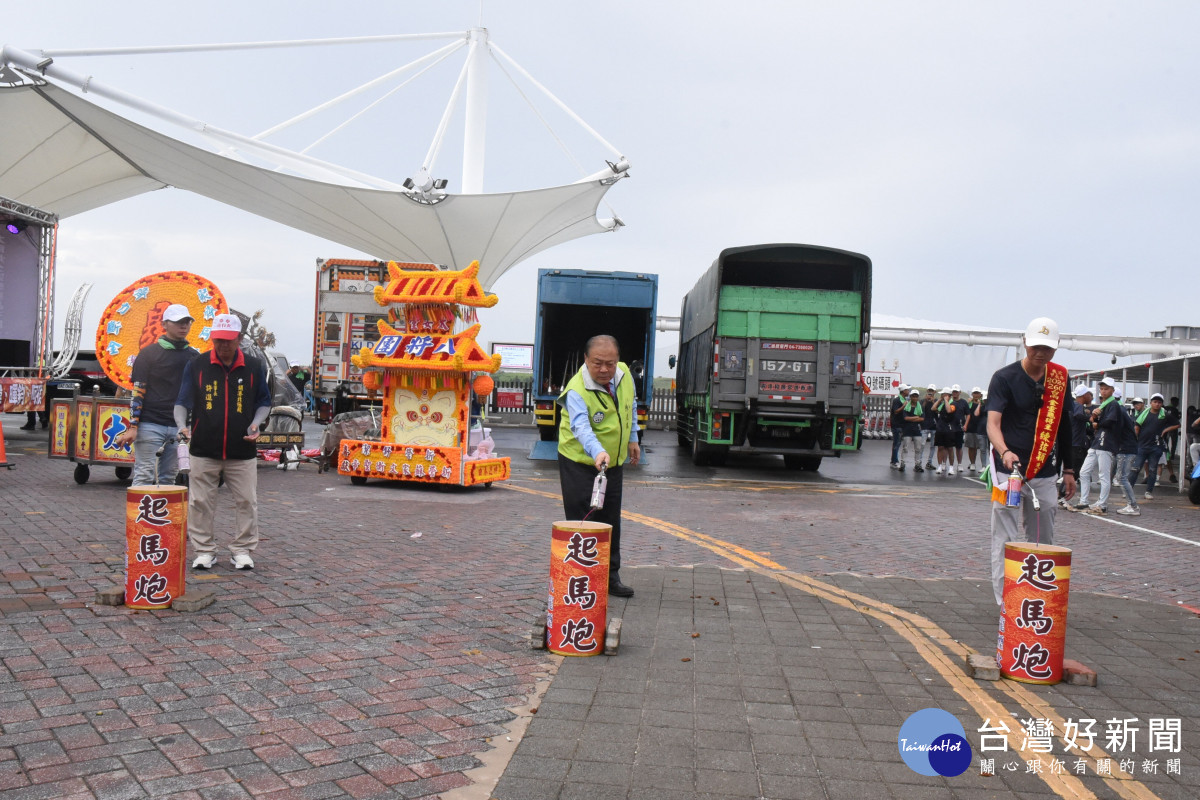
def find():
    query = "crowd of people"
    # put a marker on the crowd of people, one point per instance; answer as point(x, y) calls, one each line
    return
point(1113, 442)
point(940, 425)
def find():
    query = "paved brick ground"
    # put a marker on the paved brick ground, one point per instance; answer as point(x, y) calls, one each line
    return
point(785, 695)
point(357, 661)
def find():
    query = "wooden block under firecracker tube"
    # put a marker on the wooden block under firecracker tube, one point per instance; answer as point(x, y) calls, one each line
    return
point(1033, 625)
point(577, 607)
point(155, 545)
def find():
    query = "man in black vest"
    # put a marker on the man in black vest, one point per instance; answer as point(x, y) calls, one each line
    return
point(226, 392)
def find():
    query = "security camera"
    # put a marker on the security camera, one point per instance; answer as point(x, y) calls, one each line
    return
point(45, 62)
point(1114, 359)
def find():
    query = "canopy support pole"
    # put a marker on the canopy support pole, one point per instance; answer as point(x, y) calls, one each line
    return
point(436, 56)
point(559, 103)
point(476, 113)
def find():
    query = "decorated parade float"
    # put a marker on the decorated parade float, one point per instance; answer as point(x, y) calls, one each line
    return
point(84, 428)
point(427, 363)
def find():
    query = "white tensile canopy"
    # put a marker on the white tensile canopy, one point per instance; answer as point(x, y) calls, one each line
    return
point(64, 154)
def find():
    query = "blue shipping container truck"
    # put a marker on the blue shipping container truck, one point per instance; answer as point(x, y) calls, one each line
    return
point(575, 305)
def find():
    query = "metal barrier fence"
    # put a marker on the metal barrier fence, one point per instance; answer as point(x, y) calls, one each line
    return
point(514, 398)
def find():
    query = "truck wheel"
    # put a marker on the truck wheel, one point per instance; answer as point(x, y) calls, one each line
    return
point(123, 472)
point(699, 448)
point(82, 473)
point(794, 462)
point(716, 455)
point(358, 480)
point(812, 463)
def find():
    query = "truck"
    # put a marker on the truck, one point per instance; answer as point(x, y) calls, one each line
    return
point(770, 354)
point(347, 316)
point(573, 306)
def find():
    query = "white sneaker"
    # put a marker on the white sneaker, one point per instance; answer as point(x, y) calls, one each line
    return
point(204, 561)
point(1130, 511)
point(1148, 496)
point(972, 468)
point(242, 561)
point(951, 471)
point(941, 468)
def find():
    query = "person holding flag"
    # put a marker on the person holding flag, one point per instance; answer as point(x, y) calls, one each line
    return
point(1027, 416)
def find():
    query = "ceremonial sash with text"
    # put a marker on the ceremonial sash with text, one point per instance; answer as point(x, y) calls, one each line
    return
point(1045, 430)
point(1049, 415)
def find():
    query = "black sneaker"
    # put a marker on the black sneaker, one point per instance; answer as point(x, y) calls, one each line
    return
point(900, 468)
point(918, 468)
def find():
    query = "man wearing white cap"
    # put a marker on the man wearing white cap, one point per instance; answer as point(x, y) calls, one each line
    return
point(1027, 415)
point(976, 429)
point(1154, 425)
point(929, 425)
point(897, 422)
point(226, 392)
point(1079, 430)
point(1102, 455)
point(157, 371)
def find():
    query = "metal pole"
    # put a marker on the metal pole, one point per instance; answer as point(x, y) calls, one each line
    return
point(476, 113)
point(207, 48)
point(1184, 431)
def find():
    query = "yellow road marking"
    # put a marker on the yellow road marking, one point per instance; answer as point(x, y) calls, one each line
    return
point(922, 633)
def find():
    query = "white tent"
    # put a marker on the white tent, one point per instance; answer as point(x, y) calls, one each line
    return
point(64, 154)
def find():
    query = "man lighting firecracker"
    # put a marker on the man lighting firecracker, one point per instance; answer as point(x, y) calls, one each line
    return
point(1028, 415)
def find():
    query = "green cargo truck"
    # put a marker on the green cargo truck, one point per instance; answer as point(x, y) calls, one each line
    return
point(770, 354)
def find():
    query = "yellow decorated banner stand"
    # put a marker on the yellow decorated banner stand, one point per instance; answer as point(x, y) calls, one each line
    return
point(133, 319)
point(423, 364)
point(1033, 626)
point(84, 428)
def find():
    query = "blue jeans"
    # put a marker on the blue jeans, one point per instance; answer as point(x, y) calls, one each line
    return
point(1150, 456)
point(150, 437)
point(895, 444)
point(1126, 471)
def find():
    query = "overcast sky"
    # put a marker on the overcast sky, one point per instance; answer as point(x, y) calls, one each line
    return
point(996, 161)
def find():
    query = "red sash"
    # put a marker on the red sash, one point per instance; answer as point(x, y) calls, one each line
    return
point(1045, 432)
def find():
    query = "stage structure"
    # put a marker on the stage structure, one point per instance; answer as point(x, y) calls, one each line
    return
point(27, 247)
point(69, 154)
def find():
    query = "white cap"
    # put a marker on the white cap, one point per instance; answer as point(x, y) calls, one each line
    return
point(226, 326)
point(914, 390)
point(932, 387)
point(976, 390)
point(1109, 382)
point(1042, 331)
point(1117, 393)
point(945, 390)
point(1159, 396)
point(903, 388)
point(176, 312)
point(956, 388)
point(295, 364)
point(1139, 400)
point(1082, 389)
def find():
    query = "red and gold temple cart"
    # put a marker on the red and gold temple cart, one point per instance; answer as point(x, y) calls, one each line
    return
point(427, 362)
